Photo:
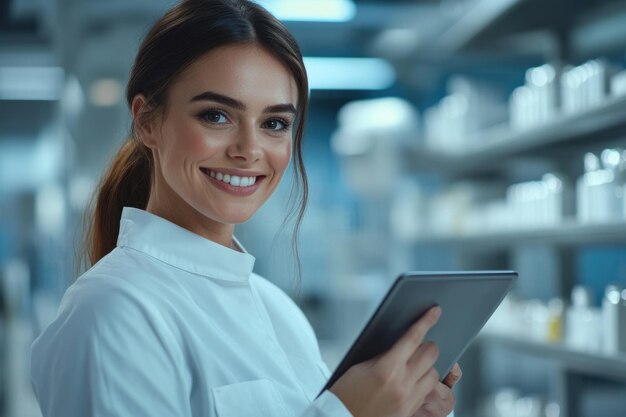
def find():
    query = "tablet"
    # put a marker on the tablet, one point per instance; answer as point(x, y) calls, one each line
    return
point(467, 300)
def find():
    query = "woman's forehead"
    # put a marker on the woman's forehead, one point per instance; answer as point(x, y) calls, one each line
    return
point(245, 72)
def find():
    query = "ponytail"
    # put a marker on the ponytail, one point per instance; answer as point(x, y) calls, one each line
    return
point(185, 33)
point(126, 183)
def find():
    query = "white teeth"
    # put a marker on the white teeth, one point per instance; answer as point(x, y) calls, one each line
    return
point(233, 179)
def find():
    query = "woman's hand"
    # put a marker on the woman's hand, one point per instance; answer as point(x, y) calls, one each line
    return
point(440, 402)
point(397, 382)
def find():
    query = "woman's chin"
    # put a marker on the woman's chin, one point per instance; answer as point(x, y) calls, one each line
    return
point(235, 218)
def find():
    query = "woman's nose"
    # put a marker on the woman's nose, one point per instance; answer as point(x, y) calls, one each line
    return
point(245, 145)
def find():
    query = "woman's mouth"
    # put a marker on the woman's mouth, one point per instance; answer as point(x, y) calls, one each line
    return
point(235, 184)
point(235, 180)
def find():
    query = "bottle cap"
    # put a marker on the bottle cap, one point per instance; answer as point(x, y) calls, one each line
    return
point(581, 296)
point(592, 162)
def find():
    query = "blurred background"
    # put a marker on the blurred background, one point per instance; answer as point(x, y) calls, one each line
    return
point(442, 135)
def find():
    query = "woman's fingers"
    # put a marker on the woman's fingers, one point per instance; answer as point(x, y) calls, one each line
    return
point(413, 338)
point(397, 382)
point(423, 359)
point(438, 403)
point(425, 387)
point(453, 376)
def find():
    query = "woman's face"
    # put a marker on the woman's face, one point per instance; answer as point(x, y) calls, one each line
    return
point(225, 138)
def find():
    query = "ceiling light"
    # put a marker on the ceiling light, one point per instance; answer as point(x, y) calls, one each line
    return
point(349, 73)
point(311, 10)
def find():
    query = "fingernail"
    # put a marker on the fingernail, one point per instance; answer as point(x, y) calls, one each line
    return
point(435, 313)
point(456, 372)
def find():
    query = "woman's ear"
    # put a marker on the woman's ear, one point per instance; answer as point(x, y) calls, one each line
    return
point(142, 122)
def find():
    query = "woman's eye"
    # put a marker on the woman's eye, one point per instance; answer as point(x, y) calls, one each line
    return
point(276, 124)
point(215, 117)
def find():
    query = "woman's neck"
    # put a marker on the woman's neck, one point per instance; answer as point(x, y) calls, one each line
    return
point(183, 215)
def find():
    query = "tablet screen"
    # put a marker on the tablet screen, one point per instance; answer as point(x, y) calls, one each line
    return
point(467, 300)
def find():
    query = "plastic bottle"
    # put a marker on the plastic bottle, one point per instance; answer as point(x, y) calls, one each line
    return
point(584, 189)
point(614, 320)
point(555, 320)
point(582, 322)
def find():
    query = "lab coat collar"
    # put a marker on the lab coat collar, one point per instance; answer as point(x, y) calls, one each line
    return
point(177, 246)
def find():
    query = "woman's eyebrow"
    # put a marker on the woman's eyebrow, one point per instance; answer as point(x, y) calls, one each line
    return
point(219, 98)
point(238, 105)
point(280, 108)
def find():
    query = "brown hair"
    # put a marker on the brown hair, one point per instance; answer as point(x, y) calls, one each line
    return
point(186, 32)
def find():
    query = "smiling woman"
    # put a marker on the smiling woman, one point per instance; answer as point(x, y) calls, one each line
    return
point(170, 320)
point(235, 123)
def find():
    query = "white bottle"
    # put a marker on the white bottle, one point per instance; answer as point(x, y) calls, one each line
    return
point(614, 320)
point(585, 190)
point(582, 322)
point(621, 180)
point(610, 192)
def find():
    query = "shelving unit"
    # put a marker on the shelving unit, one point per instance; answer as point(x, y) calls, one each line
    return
point(576, 31)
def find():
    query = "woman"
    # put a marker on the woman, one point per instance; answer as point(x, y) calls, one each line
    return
point(170, 320)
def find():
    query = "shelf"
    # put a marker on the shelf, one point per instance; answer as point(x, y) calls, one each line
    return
point(568, 234)
point(582, 362)
point(499, 145)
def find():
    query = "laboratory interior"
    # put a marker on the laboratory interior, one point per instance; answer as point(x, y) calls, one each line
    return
point(442, 135)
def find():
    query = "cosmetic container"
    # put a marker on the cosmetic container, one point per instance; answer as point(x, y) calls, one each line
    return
point(567, 90)
point(582, 322)
point(587, 204)
point(535, 102)
point(609, 188)
point(618, 84)
point(535, 203)
point(542, 82)
point(536, 320)
point(620, 176)
point(572, 88)
point(600, 191)
point(599, 84)
point(553, 205)
point(554, 332)
point(586, 73)
point(614, 320)
point(518, 108)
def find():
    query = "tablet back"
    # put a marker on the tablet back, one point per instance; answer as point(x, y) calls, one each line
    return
point(467, 300)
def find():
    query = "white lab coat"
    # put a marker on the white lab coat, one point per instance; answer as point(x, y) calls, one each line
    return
point(172, 324)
